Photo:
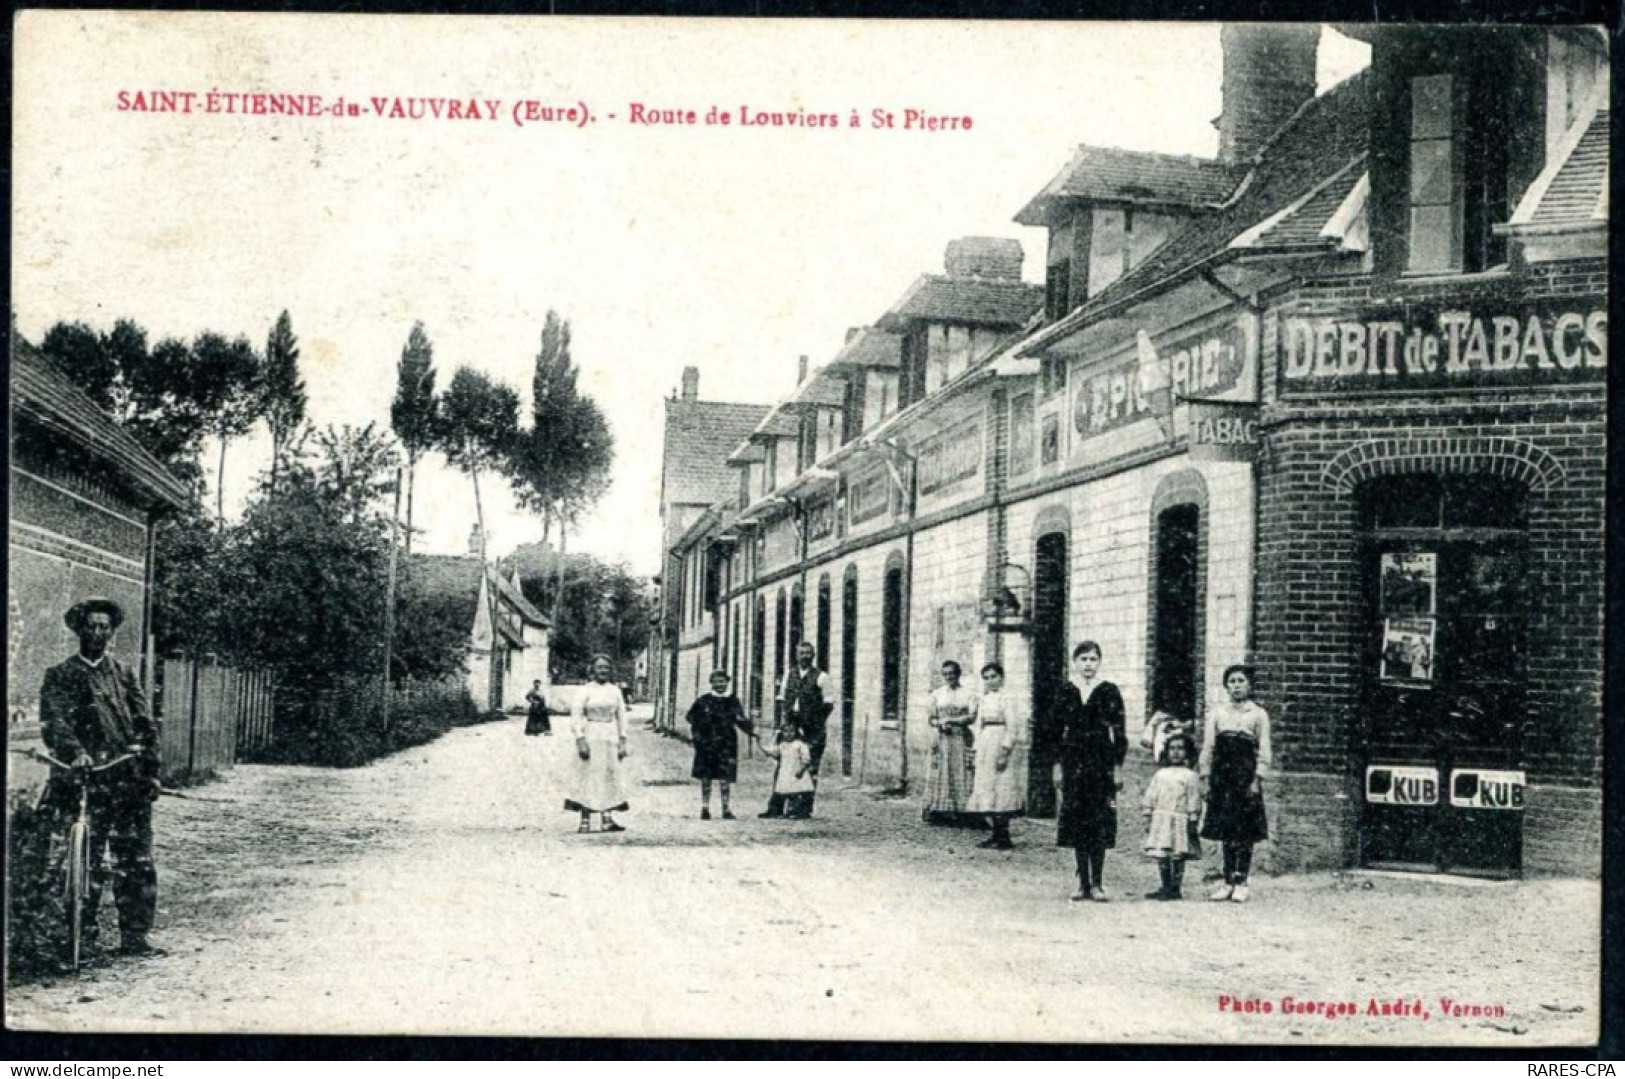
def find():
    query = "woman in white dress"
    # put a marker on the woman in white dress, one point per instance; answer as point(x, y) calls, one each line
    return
point(598, 721)
point(1000, 786)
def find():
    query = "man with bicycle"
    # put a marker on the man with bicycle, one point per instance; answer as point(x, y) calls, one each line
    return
point(92, 710)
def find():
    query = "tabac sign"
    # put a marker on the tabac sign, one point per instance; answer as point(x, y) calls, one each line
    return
point(1416, 348)
point(1147, 381)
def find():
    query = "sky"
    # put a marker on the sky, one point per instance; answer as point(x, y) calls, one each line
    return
point(734, 249)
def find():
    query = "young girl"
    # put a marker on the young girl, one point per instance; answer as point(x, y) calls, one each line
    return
point(792, 785)
point(1235, 749)
point(1173, 802)
point(712, 719)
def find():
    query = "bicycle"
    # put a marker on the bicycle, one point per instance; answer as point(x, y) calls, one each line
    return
point(75, 882)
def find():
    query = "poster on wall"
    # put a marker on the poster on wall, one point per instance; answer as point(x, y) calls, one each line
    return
point(1407, 652)
point(1409, 583)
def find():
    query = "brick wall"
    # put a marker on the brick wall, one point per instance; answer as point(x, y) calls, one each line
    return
point(1309, 605)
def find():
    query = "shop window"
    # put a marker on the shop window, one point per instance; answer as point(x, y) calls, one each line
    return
point(891, 645)
point(1446, 584)
point(1177, 601)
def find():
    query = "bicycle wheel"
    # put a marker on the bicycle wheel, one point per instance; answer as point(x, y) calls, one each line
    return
point(76, 885)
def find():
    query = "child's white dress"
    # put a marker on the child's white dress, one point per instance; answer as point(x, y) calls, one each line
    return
point(1174, 798)
point(793, 757)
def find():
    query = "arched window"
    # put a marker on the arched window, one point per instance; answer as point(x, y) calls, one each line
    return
point(780, 618)
point(821, 623)
point(891, 641)
point(758, 648)
point(849, 663)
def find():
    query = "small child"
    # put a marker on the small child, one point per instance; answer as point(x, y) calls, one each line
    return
point(792, 782)
point(1173, 802)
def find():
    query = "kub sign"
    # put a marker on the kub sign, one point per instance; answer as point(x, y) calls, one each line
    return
point(1476, 788)
point(1401, 785)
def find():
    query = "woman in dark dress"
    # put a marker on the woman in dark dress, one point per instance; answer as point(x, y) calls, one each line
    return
point(1094, 740)
point(711, 720)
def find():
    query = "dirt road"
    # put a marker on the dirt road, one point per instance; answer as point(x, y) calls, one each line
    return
point(445, 891)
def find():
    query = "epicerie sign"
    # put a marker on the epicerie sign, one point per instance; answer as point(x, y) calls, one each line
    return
point(1476, 788)
point(1199, 365)
point(1417, 349)
point(1401, 785)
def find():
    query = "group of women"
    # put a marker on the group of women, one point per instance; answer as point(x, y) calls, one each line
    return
point(975, 770)
point(978, 764)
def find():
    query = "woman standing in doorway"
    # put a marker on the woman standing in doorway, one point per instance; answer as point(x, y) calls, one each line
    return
point(1094, 742)
point(1235, 748)
point(598, 721)
point(947, 783)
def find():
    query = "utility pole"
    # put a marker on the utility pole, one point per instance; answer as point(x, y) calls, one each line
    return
point(389, 601)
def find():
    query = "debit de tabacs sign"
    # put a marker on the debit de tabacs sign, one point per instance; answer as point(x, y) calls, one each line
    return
point(1418, 348)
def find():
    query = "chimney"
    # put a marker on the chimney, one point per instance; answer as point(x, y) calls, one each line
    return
point(801, 370)
point(984, 256)
point(691, 383)
point(1269, 72)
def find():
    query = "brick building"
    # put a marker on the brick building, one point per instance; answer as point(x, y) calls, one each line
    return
point(85, 501)
point(1330, 403)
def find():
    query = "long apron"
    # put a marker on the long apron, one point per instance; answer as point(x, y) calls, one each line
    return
point(1235, 814)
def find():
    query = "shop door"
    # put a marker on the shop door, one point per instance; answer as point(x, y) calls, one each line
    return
point(849, 663)
point(1049, 667)
point(1444, 674)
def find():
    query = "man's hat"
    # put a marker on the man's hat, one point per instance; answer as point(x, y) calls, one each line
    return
point(76, 614)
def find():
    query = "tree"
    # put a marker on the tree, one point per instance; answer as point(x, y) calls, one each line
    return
point(479, 421)
point(228, 378)
point(560, 463)
point(282, 392)
point(152, 394)
point(603, 608)
point(414, 412)
point(307, 565)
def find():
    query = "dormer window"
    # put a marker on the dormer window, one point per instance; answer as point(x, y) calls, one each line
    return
point(1435, 184)
point(1058, 290)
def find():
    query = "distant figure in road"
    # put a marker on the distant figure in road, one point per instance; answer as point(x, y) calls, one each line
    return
point(802, 696)
point(792, 780)
point(1094, 742)
point(1173, 804)
point(598, 721)
point(1000, 785)
point(1235, 748)
point(92, 710)
point(712, 719)
point(537, 721)
point(951, 712)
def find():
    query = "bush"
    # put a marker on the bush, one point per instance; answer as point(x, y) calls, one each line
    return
point(344, 727)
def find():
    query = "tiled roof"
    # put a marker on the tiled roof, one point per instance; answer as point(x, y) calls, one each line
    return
point(526, 609)
point(47, 396)
point(1105, 174)
point(1304, 223)
point(459, 576)
point(1327, 135)
point(699, 435)
point(1576, 193)
point(973, 300)
point(778, 423)
point(870, 346)
point(820, 388)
